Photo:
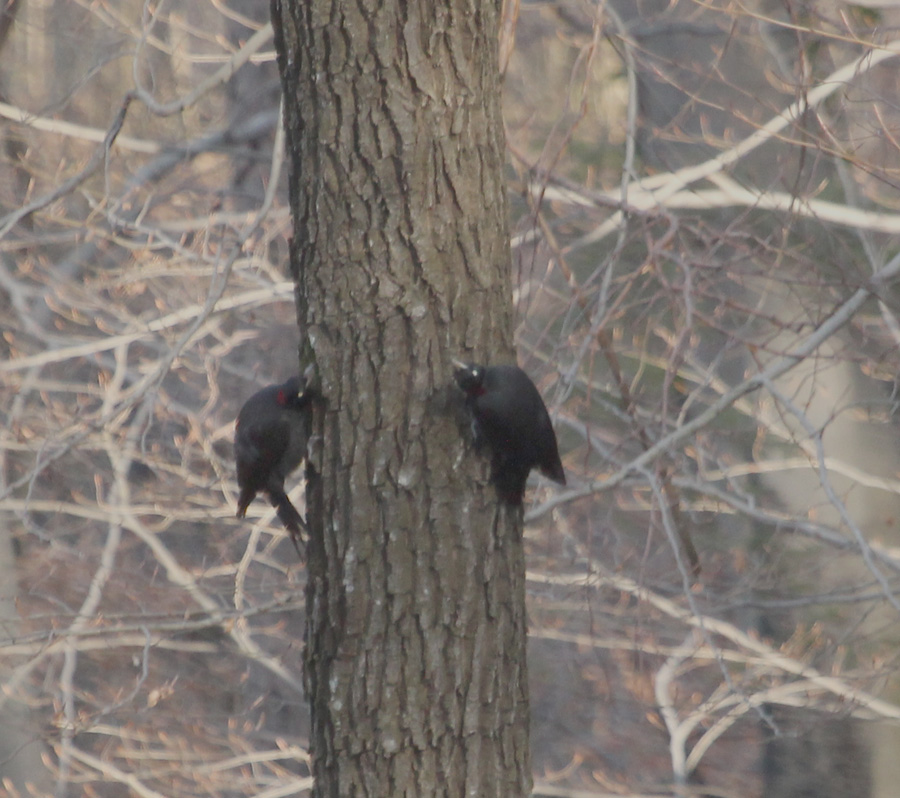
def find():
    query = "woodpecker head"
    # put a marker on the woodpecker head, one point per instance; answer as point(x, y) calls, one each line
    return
point(292, 393)
point(469, 377)
point(298, 391)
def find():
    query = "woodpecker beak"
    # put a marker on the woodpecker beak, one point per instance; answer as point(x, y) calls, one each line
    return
point(310, 381)
point(463, 371)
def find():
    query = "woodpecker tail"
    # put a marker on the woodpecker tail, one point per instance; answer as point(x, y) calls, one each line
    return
point(247, 495)
point(288, 515)
point(552, 468)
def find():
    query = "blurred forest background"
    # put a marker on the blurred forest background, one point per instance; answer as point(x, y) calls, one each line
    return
point(706, 199)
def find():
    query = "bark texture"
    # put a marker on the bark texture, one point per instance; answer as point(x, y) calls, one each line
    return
point(415, 658)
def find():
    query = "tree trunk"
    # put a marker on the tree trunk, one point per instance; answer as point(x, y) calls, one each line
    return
point(415, 658)
point(21, 745)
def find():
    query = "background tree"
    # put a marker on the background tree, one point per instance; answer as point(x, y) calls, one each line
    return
point(703, 200)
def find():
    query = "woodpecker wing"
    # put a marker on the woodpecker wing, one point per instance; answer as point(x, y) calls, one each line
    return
point(550, 464)
point(258, 444)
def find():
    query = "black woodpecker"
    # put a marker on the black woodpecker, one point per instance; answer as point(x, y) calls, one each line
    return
point(509, 416)
point(270, 438)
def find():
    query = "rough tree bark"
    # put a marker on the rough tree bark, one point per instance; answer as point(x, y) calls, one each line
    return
point(415, 658)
